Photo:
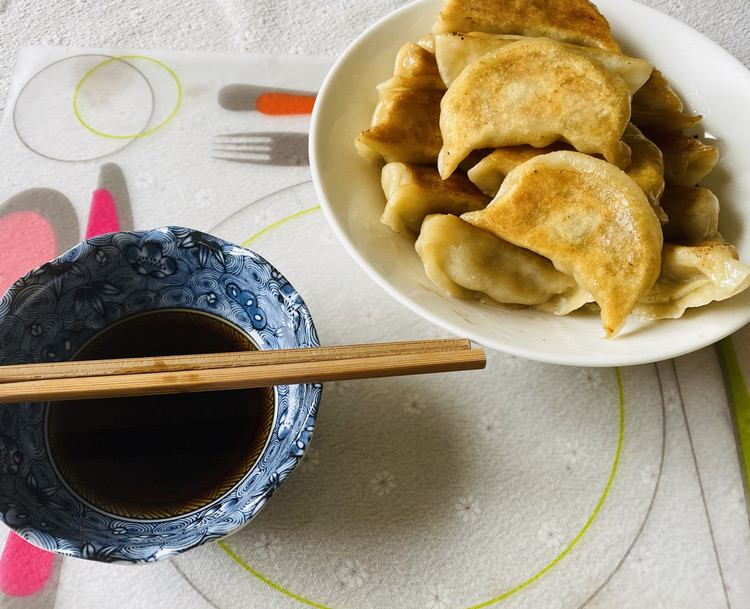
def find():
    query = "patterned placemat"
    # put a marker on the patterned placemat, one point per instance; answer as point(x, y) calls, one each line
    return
point(523, 485)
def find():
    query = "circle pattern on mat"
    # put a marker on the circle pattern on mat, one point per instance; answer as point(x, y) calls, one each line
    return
point(89, 106)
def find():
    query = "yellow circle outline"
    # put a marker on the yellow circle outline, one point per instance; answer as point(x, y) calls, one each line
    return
point(519, 587)
point(121, 58)
point(278, 223)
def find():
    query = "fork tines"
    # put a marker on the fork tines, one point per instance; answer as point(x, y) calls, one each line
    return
point(262, 148)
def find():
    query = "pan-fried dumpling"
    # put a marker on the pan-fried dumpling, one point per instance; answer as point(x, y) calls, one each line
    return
point(590, 219)
point(453, 52)
point(405, 127)
point(656, 104)
point(693, 276)
point(415, 191)
point(468, 262)
point(687, 160)
point(488, 174)
point(575, 21)
point(534, 91)
point(693, 213)
point(646, 167)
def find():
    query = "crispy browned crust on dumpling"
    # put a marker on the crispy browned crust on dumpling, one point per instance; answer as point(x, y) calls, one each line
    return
point(687, 160)
point(535, 91)
point(406, 128)
point(405, 125)
point(576, 21)
point(693, 213)
point(468, 262)
point(693, 275)
point(590, 219)
point(657, 104)
point(416, 191)
point(646, 167)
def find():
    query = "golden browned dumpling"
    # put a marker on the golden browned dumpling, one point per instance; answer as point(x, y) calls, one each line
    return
point(453, 52)
point(576, 21)
point(488, 174)
point(646, 167)
point(405, 127)
point(693, 276)
point(656, 104)
point(693, 213)
point(534, 91)
point(415, 191)
point(468, 262)
point(687, 160)
point(590, 219)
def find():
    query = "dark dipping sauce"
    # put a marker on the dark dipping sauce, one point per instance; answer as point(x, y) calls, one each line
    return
point(160, 456)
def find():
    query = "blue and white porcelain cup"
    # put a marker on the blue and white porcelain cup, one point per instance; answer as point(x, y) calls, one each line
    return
point(139, 479)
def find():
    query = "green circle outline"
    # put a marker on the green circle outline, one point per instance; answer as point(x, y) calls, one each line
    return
point(621, 395)
point(122, 58)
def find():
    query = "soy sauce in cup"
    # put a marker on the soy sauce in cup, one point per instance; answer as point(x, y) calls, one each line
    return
point(153, 457)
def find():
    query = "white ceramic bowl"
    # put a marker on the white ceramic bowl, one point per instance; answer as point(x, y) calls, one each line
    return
point(710, 81)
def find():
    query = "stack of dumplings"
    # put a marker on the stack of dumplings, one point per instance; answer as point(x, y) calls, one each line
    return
point(533, 164)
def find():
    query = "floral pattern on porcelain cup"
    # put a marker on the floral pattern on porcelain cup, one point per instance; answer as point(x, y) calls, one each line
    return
point(51, 312)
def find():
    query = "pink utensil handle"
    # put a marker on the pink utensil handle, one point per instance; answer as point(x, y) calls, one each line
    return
point(24, 568)
point(102, 215)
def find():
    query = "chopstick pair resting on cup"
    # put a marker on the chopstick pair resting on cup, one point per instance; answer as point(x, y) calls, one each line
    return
point(127, 377)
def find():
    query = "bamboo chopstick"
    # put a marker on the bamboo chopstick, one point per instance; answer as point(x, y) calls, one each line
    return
point(127, 377)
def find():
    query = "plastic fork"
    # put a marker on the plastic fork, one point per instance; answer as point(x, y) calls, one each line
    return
point(282, 148)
